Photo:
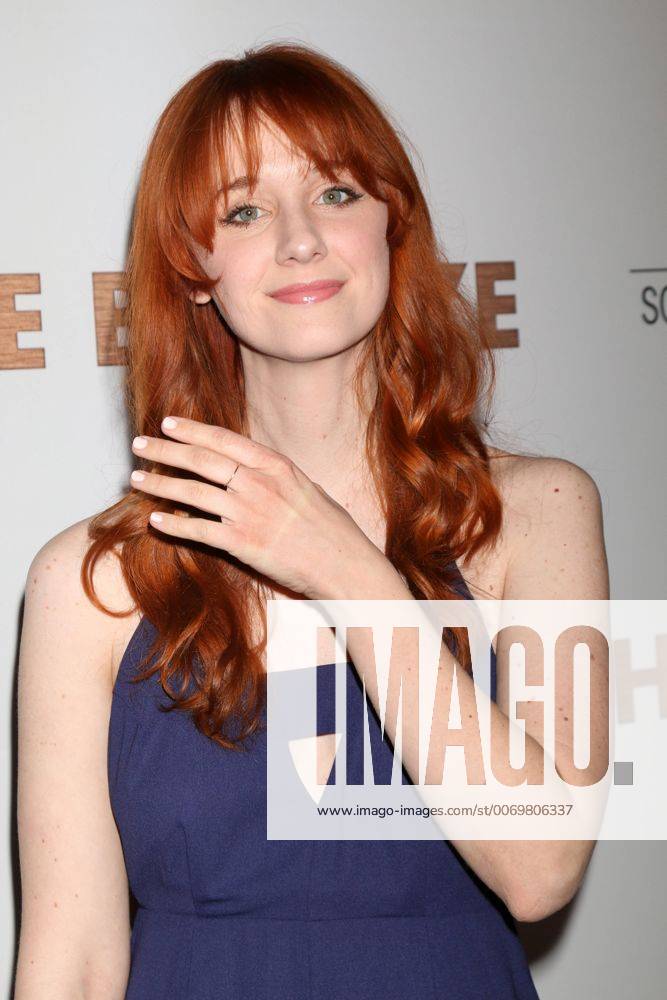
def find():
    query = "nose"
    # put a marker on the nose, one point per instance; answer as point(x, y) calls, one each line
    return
point(299, 239)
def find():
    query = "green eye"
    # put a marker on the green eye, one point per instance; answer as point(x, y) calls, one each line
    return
point(351, 195)
point(250, 208)
point(231, 220)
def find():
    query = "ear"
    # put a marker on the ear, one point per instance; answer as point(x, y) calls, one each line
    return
point(200, 297)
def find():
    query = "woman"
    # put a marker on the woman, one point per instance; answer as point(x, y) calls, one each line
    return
point(302, 380)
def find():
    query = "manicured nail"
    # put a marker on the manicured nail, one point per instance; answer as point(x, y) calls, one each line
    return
point(169, 423)
point(137, 476)
point(139, 442)
point(156, 517)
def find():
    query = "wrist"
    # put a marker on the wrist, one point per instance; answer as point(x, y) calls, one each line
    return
point(368, 576)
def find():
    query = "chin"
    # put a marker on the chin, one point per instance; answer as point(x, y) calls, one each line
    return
point(302, 340)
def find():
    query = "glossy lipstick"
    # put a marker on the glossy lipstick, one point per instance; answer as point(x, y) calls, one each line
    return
point(307, 293)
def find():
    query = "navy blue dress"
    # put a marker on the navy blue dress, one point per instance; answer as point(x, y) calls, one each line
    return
point(225, 914)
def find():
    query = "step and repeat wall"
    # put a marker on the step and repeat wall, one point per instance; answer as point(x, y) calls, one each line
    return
point(538, 130)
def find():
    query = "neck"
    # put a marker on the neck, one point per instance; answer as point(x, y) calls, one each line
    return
point(309, 412)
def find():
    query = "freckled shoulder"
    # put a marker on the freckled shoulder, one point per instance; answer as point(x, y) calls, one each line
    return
point(552, 523)
point(63, 556)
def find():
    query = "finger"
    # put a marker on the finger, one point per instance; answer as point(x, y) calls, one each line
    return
point(222, 440)
point(205, 462)
point(196, 529)
point(189, 491)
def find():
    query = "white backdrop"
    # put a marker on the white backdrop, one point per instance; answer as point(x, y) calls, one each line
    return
point(541, 127)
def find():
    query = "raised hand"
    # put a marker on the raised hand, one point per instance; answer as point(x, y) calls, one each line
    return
point(272, 516)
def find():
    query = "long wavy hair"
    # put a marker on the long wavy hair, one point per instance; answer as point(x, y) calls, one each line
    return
point(431, 365)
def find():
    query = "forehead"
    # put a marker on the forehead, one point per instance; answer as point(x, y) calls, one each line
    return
point(277, 156)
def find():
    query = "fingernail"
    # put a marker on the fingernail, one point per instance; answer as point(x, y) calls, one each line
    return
point(139, 442)
point(137, 476)
point(169, 423)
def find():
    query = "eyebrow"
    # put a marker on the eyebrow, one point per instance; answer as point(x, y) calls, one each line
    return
point(242, 182)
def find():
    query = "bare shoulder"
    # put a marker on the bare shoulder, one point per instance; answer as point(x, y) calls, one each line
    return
point(57, 605)
point(62, 556)
point(548, 504)
point(553, 530)
point(537, 490)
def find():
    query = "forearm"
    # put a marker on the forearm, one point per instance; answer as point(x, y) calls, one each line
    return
point(533, 877)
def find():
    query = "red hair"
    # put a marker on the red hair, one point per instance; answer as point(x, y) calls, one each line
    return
point(427, 354)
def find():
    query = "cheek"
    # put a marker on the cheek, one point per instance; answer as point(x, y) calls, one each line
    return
point(239, 273)
point(371, 259)
point(367, 245)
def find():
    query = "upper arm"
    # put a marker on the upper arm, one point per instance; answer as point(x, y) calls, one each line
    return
point(75, 899)
point(558, 552)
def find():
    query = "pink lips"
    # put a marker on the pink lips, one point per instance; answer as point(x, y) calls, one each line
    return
point(307, 293)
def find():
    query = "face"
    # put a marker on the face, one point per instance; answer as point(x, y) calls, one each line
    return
point(297, 227)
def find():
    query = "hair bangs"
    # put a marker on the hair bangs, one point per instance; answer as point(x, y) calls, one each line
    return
point(312, 129)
